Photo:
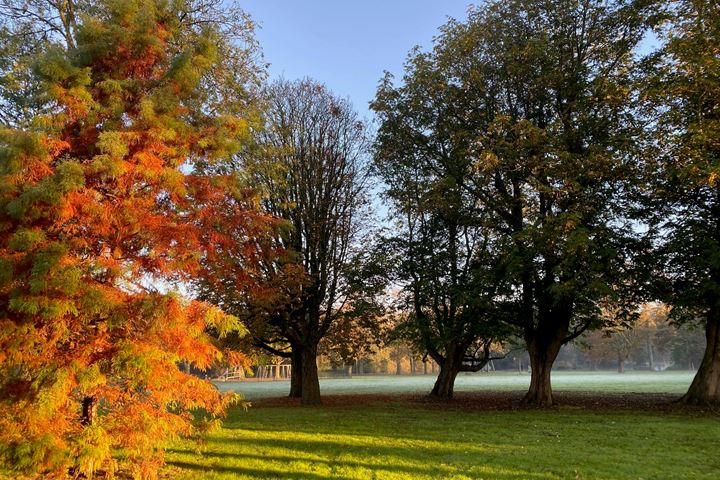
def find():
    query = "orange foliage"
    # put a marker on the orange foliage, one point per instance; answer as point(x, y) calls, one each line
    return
point(94, 211)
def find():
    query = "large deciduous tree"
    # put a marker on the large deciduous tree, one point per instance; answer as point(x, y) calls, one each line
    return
point(542, 88)
point(96, 206)
point(554, 164)
point(309, 165)
point(683, 93)
point(452, 287)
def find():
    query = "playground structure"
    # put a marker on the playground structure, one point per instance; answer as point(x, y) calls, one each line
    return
point(258, 373)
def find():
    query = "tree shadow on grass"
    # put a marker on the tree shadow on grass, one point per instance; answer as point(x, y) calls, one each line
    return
point(407, 440)
point(389, 426)
point(436, 471)
point(408, 461)
point(250, 472)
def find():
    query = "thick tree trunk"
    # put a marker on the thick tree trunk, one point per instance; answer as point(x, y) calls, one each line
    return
point(398, 367)
point(449, 368)
point(89, 410)
point(445, 382)
point(621, 364)
point(296, 371)
point(542, 357)
point(705, 387)
point(310, 380)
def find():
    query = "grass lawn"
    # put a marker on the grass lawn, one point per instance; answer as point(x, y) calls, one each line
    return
point(404, 438)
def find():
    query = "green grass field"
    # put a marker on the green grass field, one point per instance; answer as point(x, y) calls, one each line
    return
point(403, 438)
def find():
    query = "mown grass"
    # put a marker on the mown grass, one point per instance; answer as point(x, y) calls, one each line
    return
point(404, 439)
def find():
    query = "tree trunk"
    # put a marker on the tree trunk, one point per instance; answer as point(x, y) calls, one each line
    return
point(705, 387)
point(621, 364)
point(296, 370)
point(310, 380)
point(449, 368)
point(89, 410)
point(651, 356)
point(398, 367)
point(445, 383)
point(425, 367)
point(542, 357)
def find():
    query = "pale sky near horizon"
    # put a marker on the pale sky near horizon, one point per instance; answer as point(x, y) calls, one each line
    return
point(346, 44)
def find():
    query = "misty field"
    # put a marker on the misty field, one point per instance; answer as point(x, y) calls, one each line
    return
point(671, 382)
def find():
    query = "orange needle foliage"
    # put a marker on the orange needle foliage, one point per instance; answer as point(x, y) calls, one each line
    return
point(94, 206)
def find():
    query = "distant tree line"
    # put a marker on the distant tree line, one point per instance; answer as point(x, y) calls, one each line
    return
point(652, 343)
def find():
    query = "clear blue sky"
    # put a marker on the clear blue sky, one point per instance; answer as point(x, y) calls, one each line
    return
point(346, 44)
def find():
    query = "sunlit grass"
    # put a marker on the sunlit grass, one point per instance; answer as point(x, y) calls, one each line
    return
point(405, 441)
point(408, 440)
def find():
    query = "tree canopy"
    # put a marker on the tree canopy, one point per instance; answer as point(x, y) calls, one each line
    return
point(682, 97)
point(308, 164)
point(96, 208)
point(524, 113)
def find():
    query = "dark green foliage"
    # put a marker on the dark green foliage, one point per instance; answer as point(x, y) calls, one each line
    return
point(681, 87)
point(518, 125)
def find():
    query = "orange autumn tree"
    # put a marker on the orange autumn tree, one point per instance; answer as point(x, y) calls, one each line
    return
point(97, 205)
